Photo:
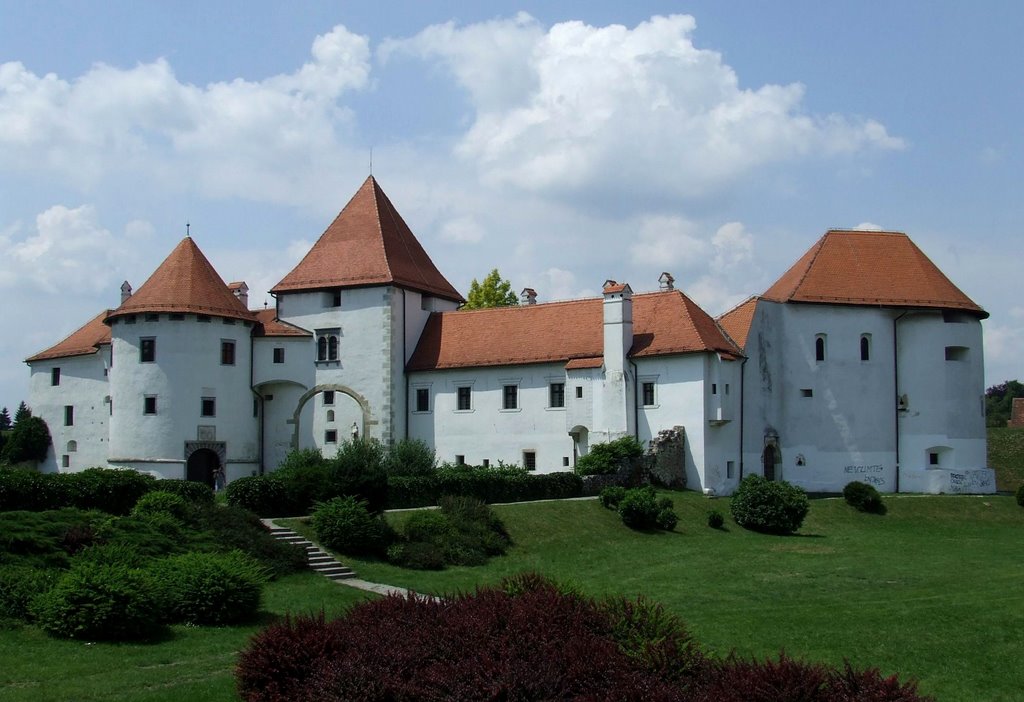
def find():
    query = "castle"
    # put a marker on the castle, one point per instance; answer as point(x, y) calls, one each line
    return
point(863, 362)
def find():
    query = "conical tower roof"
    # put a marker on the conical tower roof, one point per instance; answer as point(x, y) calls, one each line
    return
point(368, 243)
point(185, 282)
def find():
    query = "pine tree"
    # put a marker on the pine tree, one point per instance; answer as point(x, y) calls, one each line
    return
point(23, 412)
point(5, 419)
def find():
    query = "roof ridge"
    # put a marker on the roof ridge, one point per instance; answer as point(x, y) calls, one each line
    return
point(818, 246)
point(378, 192)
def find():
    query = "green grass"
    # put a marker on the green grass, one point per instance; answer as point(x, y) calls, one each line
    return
point(932, 590)
point(194, 664)
point(1006, 456)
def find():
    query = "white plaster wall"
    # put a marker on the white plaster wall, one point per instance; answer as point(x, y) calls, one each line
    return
point(278, 413)
point(83, 385)
point(187, 367)
point(298, 360)
point(487, 431)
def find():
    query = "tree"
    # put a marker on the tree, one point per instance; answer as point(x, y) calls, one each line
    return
point(5, 419)
point(999, 402)
point(492, 292)
point(29, 441)
point(23, 413)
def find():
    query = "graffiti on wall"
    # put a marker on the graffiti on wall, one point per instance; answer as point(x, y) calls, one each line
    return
point(975, 481)
point(872, 475)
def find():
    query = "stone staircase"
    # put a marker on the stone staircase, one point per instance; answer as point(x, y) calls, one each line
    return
point(318, 559)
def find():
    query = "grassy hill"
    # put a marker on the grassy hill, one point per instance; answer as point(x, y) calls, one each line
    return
point(1006, 456)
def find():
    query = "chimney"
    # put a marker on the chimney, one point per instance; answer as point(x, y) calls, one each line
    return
point(241, 291)
point(666, 281)
point(528, 296)
point(126, 292)
point(617, 390)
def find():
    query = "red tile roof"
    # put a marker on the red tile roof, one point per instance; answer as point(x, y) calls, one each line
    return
point(82, 342)
point(580, 363)
point(736, 322)
point(869, 268)
point(267, 324)
point(185, 282)
point(664, 323)
point(368, 244)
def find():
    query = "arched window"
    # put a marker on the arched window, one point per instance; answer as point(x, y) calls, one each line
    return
point(332, 348)
point(330, 415)
point(819, 347)
point(865, 347)
point(321, 348)
point(72, 446)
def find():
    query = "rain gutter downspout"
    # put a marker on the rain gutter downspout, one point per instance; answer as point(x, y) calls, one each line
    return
point(743, 404)
point(896, 385)
point(405, 373)
point(259, 399)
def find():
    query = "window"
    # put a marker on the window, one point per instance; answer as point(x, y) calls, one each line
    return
point(331, 436)
point(149, 404)
point(422, 399)
point(130, 319)
point(819, 347)
point(147, 349)
point(327, 345)
point(225, 320)
point(208, 407)
point(55, 376)
point(510, 397)
point(255, 407)
point(330, 415)
point(865, 347)
point(152, 318)
point(69, 415)
point(72, 446)
point(278, 355)
point(530, 460)
point(556, 395)
point(956, 353)
point(487, 463)
point(648, 394)
point(464, 398)
point(806, 392)
point(933, 458)
point(460, 459)
point(727, 388)
point(227, 353)
point(328, 397)
point(176, 316)
point(730, 469)
point(579, 392)
point(203, 318)
point(336, 298)
point(565, 461)
point(714, 388)
point(65, 461)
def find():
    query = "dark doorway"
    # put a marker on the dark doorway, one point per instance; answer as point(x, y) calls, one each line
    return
point(203, 466)
point(769, 462)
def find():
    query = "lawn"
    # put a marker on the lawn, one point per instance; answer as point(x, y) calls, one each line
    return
point(1006, 456)
point(931, 590)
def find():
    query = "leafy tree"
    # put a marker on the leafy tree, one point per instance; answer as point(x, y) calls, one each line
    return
point(23, 413)
point(999, 402)
point(492, 292)
point(27, 442)
point(5, 419)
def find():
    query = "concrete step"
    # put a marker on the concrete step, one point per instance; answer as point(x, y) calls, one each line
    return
point(319, 560)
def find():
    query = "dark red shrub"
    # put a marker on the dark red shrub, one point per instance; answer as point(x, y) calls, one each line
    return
point(849, 685)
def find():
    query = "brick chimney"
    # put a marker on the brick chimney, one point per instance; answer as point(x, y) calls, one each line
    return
point(528, 296)
point(617, 391)
point(126, 292)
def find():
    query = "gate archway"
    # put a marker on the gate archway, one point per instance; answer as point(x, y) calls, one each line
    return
point(364, 406)
point(203, 466)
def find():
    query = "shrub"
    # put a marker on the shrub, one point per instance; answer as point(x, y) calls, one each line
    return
point(210, 588)
point(606, 458)
point(233, 528)
point(344, 524)
point(427, 526)
point(192, 490)
point(28, 441)
point(279, 662)
point(1020, 496)
point(113, 554)
point(358, 470)
point(111, 490)
point(666, 519)
point(264, 495)
point(19, 586)
point(100, 602)
point(863, 497)
point(46, 539)
point(464, 531)
point(492, 484)
point(611, 496)
point(149, 535)
point(715, 519)
point(773, 507)
point(305, 478)
point(160, 502)
point(411, 457)
point(639, 508)
point(418, 555)
point(646, 632)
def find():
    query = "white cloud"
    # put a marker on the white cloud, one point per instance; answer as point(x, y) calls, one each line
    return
point(868, 227)
point(734, 246)
point(668, 240)
point(462, 230)
point(580, 107)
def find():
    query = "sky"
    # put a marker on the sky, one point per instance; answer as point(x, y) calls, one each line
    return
point(564, 143)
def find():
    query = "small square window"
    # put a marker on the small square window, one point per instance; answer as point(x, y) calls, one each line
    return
point(331, 436)
point(579, 392)
point(510, 397)
point(69, 415)
point(55, 376)
point(648, 393)
point(227, 353)
point(530, 460)
point(203, 318)
point(933, 458)
point(279, 355)
point(464, 401)
point(487, 463)
point(806, 392)
point(328, 397)
point(149, 404)
point(556, 395)
point(422, 399)
point(227, 320)
point(176, 316)
point(460, 459)
point(208, 407)
point(130, 319)
point(152, 318)
point(147, 350)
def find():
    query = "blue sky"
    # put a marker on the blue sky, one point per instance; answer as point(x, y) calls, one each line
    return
point(565, 143)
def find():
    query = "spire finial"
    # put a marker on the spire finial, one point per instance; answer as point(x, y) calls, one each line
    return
point(371, 161)
point(187, 228)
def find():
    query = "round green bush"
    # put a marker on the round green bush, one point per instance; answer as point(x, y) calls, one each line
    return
point(418, 555)
point(210, 588)
point(611, 496)
point(773, 507)
point(666, 519)
point(427, 526)
point(101, 602)
point(715, 519)
point(344, 524)
point(639, 508)
point(113, 554)
point(863, 497)
point(411, 457)
point(1020, 496)
point(192, 490)
point(264, 495)
point(19, 586)
point(159, 502)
